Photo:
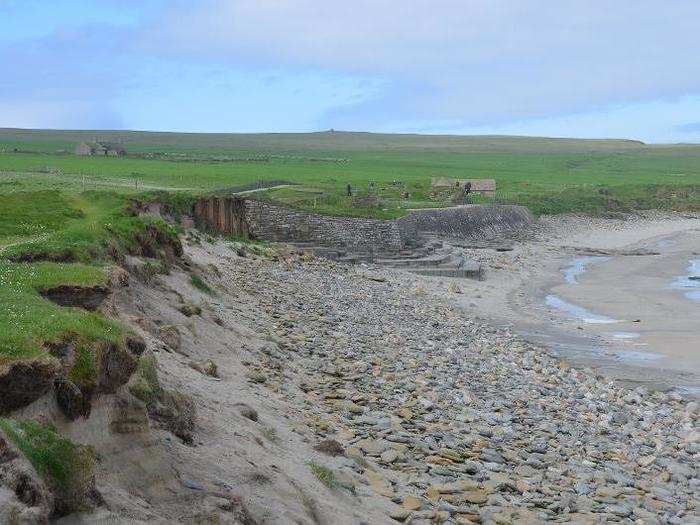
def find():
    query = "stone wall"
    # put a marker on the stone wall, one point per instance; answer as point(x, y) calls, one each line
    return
point(276, 223)
point(468, 222)
point(255, 219)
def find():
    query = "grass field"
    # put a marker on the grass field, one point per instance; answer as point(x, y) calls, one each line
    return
point(547, 175)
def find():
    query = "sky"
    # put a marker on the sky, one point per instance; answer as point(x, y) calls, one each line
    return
point(574, 68)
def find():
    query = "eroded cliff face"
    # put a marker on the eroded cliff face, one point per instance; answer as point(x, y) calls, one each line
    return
point(273, 387)
point(191, 431)
point(74, 369)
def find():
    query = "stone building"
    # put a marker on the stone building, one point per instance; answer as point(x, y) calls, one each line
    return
point(100, 149)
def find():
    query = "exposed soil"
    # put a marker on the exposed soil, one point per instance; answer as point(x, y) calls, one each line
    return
point(87, 297)
point(22, 382)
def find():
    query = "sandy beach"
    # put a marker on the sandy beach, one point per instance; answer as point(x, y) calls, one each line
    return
point(608, 294)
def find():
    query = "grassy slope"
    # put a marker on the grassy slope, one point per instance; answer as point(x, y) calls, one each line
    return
point(137, 141)
point(548, 175)
point(84, 230)
point(27, 319)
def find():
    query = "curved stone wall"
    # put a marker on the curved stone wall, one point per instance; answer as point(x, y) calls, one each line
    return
point(471, 221)
point(255, 219)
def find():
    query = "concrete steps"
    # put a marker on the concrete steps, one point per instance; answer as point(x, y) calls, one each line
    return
point(409, 262)
point(470, 270)
point(432, 259)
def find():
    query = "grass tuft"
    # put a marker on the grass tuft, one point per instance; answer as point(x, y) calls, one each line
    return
point(270, 434)
point(201, 285)
point(324, 475)
point(145, 384)
point(65, 466)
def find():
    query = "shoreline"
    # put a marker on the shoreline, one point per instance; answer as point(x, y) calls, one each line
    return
point(541, 269)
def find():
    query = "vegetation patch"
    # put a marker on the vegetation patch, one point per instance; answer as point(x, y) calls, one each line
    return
point(189, 309)
point(603, 200)
point(66, 467)
point(245, 247)
point(24, 215)
point(201, 285)
point(174, 410)
point(145, 384)
point(29, 321)
point(270, 434)
point(324, 475)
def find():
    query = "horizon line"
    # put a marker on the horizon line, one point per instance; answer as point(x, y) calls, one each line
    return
point(357, 132)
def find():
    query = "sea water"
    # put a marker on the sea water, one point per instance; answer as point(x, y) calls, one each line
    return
point(690, 287)
point(578, 311)
point(578, 267)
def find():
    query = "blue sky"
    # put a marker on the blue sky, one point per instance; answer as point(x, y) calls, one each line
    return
point(597, 68)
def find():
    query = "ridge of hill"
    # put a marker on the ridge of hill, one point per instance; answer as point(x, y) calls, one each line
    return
point(327, 140)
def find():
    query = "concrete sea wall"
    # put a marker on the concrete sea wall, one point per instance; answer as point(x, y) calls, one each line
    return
point(468, 222)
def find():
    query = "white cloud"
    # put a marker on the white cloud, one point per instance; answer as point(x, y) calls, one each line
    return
point(438, 66)
point(476, 60)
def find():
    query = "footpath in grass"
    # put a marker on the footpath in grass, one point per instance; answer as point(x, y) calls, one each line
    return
point(27, 215)
point(83, 227)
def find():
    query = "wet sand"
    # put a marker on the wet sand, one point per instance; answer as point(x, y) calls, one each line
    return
point(628, 320)
point(648, 322)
